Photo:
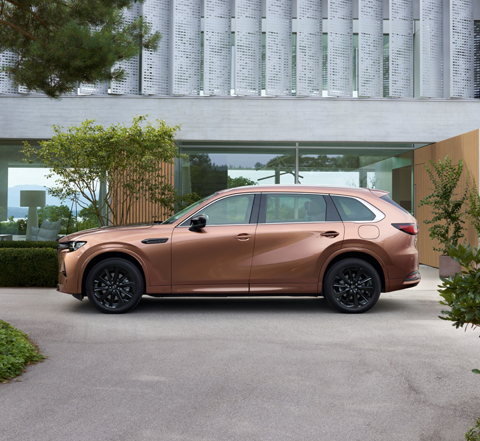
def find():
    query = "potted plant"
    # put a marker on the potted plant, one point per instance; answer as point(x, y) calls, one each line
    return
point(447, 225)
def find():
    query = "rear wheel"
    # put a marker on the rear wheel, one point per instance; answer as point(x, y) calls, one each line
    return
point(352, 286)
point(114, 286)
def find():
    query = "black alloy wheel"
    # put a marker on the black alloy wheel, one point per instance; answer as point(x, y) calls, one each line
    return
point(352, 286)
point(114, 286)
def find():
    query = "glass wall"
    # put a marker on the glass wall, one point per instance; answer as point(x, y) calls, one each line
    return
point(22, 184)
point(211, 168)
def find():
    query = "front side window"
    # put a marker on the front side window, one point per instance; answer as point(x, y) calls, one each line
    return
point(233, 210)
point(283, 208)
point(352, 210)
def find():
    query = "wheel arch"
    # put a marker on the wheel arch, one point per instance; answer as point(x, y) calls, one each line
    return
point(109, 255)
point(357, 255)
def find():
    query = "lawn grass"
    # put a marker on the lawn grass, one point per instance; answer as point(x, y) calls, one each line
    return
point(16, 352)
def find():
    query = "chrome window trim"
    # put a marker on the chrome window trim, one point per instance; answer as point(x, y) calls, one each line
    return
point(182, 225)
point(379, 215)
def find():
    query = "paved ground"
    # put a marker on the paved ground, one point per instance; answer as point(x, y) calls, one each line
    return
point(241, 369)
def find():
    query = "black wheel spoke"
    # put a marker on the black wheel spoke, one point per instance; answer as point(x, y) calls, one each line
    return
point(353, 287)
point(114, 287)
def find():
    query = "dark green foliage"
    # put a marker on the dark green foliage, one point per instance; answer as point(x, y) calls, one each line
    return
point(239, 181)
point(473, 211)
point(55, 213)
point(446, 206)
point(61, 43)
point(13, 227)
point(474, 433)
point(461, 293)
point(16, 351)
point(28, 267)
point(28, 244)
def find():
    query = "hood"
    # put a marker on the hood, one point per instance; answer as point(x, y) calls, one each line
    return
point(80, 234)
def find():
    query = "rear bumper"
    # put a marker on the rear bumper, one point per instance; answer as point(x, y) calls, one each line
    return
point(413, 279)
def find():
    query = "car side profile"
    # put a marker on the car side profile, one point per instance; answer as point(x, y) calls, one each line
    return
point(345, 244)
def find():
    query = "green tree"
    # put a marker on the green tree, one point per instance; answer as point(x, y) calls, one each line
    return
point(60, 43)
point(55, 213)
point(446, 207)
point(128, 159)
point(239, 181)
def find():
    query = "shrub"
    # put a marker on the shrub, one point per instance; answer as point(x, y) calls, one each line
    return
point(28, 244)
point(446, 207)
point(474, 433)
point(16, 351)
point(462, 292)
point(28, 267)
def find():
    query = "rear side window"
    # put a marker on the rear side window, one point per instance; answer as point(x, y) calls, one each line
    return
point(352, 210)
point(283, 208)
point(388, 199)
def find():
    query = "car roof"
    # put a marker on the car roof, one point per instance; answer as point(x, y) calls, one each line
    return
point(282, 188)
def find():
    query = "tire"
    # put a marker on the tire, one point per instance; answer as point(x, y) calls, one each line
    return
point(114, 286)
point(352, 286)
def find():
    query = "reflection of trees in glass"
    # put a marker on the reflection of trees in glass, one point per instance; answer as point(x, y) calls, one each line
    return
point(240, 181)
point(207, 178)
point(330, 162)
point(280, 165)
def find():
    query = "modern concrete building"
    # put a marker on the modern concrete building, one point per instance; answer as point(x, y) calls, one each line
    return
point(329, 92)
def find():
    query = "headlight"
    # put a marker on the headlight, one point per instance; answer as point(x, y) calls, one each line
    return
point(73, 246)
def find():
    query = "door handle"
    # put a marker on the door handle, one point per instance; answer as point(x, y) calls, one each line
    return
point(243, 237)
point(331, 234)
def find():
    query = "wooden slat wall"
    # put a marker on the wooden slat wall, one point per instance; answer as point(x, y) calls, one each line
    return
point(465, 147)
point(142, 210)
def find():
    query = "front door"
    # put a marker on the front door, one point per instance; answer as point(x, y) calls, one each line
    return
point(218, 258)
point(295, 235)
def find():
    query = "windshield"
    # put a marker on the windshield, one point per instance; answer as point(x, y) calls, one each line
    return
point(178, 215)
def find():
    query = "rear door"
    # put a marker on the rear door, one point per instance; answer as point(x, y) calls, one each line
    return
point(296, 233)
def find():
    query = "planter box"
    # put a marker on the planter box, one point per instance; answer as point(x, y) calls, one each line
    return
point(447, 267)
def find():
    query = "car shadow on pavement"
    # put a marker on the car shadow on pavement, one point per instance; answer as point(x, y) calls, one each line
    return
point(243, 304)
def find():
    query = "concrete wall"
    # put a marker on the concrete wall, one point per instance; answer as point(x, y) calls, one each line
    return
point(252, 119)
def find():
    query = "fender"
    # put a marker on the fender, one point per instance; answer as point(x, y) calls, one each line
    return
point(112, 248)
point(350, 250)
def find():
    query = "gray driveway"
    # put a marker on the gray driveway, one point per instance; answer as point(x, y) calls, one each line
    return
point(241, 369)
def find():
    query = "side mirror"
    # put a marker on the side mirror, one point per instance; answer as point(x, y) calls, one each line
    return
point(198, 222)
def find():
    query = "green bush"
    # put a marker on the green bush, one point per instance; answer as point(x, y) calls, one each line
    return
point(16, 351)
point(28, 244)
point(462, 292)
point(28, 267)
point(474, 433)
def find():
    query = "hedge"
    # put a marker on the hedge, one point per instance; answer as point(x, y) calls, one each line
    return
point(27, 266)
point(28, 244)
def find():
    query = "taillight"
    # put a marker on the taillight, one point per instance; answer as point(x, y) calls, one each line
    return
point(407, 228)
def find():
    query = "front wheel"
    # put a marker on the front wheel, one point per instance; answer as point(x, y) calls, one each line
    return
point(114, 286)
point(352, 286)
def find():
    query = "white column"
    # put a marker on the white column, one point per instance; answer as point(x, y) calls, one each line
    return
point(309, 47)
point(370, 44)
point(278, 69)
point(156, 64)
point(248, 47)
point(3, 190)
point(7, 58)
point(461, 47)
point(401, 48)
point(340, 48)
point(431, 49)
point(477, 60)
point(130, 84)
point(218, 48)
point(186, 46)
